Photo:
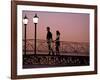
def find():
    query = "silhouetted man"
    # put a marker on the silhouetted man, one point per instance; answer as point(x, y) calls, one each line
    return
point(49, 41)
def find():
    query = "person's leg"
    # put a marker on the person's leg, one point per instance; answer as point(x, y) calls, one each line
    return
point(49, 48)
point(56, 49)
point(52, 51)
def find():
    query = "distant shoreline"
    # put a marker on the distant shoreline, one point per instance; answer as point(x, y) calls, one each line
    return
point(60, 41)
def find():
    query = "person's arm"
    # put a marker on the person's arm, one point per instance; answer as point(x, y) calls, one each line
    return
point(57, 39)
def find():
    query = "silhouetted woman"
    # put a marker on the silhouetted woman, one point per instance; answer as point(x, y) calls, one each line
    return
point(57, 42)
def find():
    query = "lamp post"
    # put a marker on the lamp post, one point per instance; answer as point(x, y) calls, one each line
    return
point(25, 21)
point(35, 21)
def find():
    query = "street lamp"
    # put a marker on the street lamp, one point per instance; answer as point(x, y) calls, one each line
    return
point(35, 21)
point(25, 21)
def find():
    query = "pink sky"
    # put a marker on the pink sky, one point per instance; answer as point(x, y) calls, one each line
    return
point(72, 26)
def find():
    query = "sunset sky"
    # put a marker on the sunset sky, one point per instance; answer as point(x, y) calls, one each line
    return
point(72, 26)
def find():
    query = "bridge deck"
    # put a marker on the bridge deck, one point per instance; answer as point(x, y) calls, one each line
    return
point(44, 60)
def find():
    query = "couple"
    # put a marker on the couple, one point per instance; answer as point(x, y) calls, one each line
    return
point(50, 40)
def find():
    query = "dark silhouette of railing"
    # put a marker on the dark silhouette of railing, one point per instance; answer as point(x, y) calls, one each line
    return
point(65, 46)
point(41, 61)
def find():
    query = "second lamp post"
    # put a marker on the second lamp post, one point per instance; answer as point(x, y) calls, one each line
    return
point(35, 21)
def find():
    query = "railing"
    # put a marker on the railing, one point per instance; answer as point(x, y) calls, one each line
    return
point(65, 46)
point(41, 61)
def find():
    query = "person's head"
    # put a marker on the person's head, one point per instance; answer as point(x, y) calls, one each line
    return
point(57, 32)
point(48, 28)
